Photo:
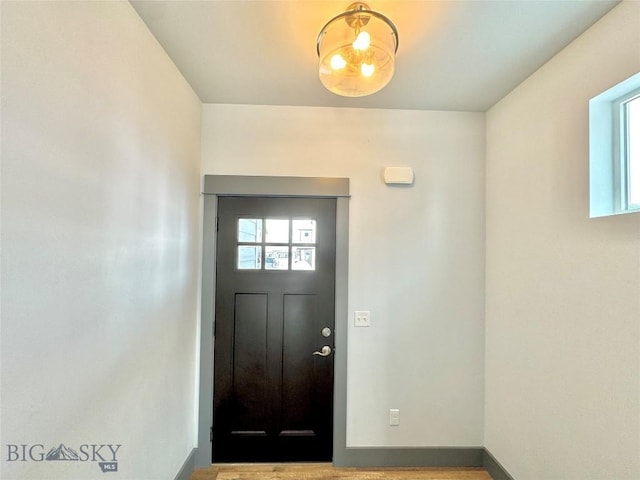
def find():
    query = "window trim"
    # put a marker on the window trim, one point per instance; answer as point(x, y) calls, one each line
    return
point(624, 135)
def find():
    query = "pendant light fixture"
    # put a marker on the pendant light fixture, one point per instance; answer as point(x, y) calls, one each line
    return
point(357, 51)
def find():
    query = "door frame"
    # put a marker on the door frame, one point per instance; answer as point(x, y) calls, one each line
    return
point(215, 186)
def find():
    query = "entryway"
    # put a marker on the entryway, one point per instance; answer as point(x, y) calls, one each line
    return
point(216, 189)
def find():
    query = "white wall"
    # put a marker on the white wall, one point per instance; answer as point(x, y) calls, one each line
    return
point(563, 291)
point(100, 232)
point(416, 255)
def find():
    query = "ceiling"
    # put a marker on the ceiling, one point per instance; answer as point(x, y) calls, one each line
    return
point(453, 55)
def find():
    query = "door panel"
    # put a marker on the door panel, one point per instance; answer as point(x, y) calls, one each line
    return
point(275, 293)
point(249, 363)
point(297, 391)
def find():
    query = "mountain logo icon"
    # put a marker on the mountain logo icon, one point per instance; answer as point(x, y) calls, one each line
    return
point(62, 453)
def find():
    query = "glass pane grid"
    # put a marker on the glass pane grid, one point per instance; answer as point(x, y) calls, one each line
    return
point(276, 257)
point(277, 230)
point(249, 257)
point(250, 230)
point(276, 244)
point(303, 258)
point(304, 231)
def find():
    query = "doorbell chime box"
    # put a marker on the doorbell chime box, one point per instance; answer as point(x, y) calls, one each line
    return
point(398, 176)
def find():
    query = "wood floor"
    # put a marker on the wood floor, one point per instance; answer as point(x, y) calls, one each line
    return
point(325, 471)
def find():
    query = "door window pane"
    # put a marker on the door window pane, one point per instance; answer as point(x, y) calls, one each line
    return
point(304, 231)
point(249, 257)
point(250, 230)
point(276, 257)
point(304, 258)
point(276, 236)
point(277, 230)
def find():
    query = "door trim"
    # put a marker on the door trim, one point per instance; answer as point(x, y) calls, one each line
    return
point(236, 185)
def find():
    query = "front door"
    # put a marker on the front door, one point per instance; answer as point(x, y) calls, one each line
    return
point(274, 330)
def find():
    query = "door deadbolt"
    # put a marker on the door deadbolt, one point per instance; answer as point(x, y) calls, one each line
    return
point(326, 332)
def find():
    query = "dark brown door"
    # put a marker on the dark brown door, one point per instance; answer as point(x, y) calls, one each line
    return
point(275, 284)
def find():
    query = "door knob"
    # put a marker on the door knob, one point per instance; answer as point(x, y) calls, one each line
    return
point(324, 352)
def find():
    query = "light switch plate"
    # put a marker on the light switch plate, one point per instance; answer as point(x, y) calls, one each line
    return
point(362, 318)
point(394, 417)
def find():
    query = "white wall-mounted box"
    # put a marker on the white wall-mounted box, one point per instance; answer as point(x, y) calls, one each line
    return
point(398, 176)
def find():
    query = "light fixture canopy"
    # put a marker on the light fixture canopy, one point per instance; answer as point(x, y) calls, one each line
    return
point(357, 51)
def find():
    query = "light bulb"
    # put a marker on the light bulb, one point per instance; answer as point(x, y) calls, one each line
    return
point(367, 69)
point(362, 42)
point(337, 62)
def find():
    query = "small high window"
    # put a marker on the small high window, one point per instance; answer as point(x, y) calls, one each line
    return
point(614, 150)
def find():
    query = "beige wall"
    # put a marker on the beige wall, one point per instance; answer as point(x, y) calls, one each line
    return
point(416, 255)
point(100, 235)
point(563, 290)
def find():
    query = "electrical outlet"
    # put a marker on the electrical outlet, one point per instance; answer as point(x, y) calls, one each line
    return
point(362, 319)
point(394, 417)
